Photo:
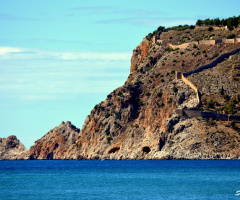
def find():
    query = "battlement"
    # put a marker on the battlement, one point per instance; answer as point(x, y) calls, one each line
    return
point(156, 39)
point(209, 42)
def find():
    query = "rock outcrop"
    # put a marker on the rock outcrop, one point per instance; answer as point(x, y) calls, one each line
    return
point(12, 149)
point(58, 143)
point(139, 53)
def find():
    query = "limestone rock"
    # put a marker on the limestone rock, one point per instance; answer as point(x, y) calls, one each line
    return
point(58, 143)
point(12, 149)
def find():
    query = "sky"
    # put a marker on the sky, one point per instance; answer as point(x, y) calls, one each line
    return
point(58, 59)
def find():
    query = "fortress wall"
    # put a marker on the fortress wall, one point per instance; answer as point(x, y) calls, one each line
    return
point(159, 41)
point(214, 63)
point(192, 43)
point(228, 41)
point(190, 84)
point(208, 42)
point(181, 46)
point(154, 39)
point(179, 75)
point(186, 81)
point(215, 116)
point(237, 40)
point(234, 118)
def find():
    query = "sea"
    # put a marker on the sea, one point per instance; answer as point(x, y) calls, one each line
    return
point(120, 180)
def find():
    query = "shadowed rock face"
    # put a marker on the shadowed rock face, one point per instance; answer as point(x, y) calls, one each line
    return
point(11, 149)
point(58, 143)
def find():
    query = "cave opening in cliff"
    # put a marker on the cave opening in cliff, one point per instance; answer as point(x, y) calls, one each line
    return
point(114, 150)
point(146, 149)
point(56, 146)
point(50, 156)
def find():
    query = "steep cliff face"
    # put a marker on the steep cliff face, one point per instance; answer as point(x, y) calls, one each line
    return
point(58, 143)
point(138, 120)
point(11, 149)
point(139, 53)
point(131, 121)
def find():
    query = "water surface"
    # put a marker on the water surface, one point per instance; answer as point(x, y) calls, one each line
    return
point(133, 180)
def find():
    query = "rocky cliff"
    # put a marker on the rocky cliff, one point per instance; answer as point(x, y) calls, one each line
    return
point(12, 149)
point(58, 143)
point(139, 121)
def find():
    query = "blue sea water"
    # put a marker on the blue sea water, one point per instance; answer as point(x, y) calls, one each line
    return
point(134, 180)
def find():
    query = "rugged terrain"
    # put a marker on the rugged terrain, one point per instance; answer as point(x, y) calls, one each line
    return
point(56, 144)
point(12, 149)
point(139, 121)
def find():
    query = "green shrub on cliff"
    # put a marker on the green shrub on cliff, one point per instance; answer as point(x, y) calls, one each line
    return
point(210, 28)
point(194, 46)
point(231, 36)
point(226, 97)
point(210, 104)
point(107, 115)
point(215, 55)
point(175, 89)
point(109, 138)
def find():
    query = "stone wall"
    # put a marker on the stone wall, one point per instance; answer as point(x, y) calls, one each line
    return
point(181, 46)
point(207, 42)
point(159, 41)
point(156, 39)
point(189, 83)
point(215, 116)
point(194, 113)
point(179, 75)
point(228, 41)
point(212, 64)
point(237, 40)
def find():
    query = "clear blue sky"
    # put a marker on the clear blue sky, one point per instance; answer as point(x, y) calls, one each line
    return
point(58, 59)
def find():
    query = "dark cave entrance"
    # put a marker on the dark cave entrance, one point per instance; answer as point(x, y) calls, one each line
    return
point(146, 149)
point(113, 150)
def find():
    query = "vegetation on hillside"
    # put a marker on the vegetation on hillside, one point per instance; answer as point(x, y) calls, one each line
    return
point(230, 22)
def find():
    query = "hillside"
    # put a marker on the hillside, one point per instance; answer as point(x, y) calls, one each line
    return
point(156, 115)
point(138, 120)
